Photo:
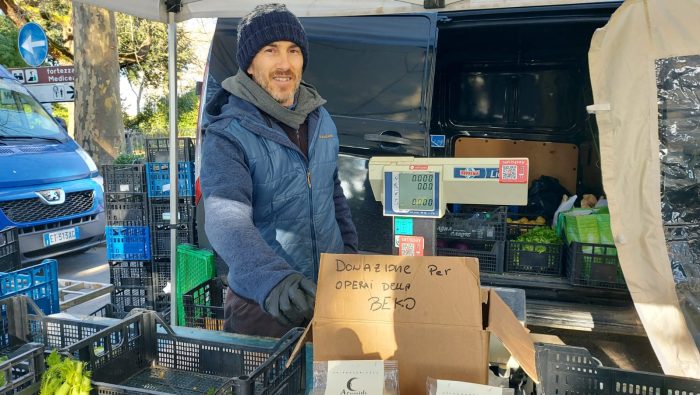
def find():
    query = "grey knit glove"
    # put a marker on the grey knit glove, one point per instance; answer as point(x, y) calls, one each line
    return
point(291, 301)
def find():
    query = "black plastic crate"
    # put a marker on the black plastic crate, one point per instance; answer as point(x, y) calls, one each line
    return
point(109, 311)
point(490, 254)
point(133, 285)
point(135, 358)
point(567, 370)
point(594, 265)
point(161, 279)
point(23, 363)
point(204, 306)
point(10, 259)
point(474, 223)
point(126, 209)
point(572, 370)
point(159, 210)
point(538, 258)
point(161, 240)
point(157, 149)
point(124, 178)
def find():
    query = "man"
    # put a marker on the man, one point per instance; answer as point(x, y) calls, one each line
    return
point(269, 178)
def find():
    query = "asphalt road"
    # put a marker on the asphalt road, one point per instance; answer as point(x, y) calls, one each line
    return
point(88, 266)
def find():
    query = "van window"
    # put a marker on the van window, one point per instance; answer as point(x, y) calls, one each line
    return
point(538, 99)
point(379, 74)
point(22, 116)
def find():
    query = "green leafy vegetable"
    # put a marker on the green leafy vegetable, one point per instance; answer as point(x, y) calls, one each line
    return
point(3, 358)
point(64, 376)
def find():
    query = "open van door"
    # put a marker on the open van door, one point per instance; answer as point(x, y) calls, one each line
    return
point(645, 75)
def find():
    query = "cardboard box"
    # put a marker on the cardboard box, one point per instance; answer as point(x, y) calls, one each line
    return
point(428, 313)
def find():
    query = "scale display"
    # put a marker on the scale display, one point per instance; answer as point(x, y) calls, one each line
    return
point(416, 191)
point(412, 193)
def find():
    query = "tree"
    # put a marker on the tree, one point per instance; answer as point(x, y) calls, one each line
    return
point(99, 126)
point(146, 42)
point(142, 57)
point(52, 15)
point(9, 54)
point(153, 119)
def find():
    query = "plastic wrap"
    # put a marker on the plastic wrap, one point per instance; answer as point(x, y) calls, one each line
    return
point(678, 87)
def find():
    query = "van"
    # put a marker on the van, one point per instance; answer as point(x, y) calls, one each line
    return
point(50, 188)
point(481, 82)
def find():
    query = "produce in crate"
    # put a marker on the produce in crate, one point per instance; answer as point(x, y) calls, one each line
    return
point(539, 235)
point(3, 358)
point(65, 376)
point(526, 221)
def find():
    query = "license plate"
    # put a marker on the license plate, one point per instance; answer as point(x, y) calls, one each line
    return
point(61, 236)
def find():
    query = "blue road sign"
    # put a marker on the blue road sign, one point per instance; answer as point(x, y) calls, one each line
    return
point(32, 43)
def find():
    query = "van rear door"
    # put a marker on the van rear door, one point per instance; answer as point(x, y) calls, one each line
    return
point(376, 73)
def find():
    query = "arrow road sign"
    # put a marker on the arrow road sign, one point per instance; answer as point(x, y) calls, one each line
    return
point(32, 43)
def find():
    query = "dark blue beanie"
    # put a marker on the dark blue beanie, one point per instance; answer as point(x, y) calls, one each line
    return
point(268, 23)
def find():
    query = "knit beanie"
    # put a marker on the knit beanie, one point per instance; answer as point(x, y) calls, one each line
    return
point(268, 23)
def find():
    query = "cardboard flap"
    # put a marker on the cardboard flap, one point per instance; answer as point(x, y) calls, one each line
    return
point(515, 338)
point(378, 288)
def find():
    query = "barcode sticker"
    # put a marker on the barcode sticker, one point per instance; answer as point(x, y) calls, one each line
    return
point(124, 187)
point(166, 187)
point(513, 171)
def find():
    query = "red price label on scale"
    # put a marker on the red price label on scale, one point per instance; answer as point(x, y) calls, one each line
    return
point(512, 171)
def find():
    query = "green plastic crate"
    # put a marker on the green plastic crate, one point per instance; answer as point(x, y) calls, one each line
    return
point(194, 267)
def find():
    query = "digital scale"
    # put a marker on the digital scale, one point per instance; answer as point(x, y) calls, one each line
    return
point(415, 191)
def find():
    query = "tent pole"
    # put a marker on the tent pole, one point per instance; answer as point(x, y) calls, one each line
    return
point(172, 81)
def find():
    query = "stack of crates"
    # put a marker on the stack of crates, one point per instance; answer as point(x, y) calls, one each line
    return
point(128, 236)
point(158, 186)
point(137, 208)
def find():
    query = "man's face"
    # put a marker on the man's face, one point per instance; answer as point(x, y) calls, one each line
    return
point(277, 69)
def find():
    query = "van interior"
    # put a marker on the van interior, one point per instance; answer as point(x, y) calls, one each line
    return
point(496, 83)
point(517, 85)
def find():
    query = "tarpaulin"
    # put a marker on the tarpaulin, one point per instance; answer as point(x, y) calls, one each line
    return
point(624, 58)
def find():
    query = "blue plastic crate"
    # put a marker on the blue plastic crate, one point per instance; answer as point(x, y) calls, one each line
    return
point(158, 179)
point(128, 243)
point(39, 282)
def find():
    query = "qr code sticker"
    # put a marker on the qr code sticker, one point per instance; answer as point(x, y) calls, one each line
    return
point(513, 171)
point(408, 249)
point(510, 172)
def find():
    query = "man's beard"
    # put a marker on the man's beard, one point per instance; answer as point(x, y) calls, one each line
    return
point(280, 97)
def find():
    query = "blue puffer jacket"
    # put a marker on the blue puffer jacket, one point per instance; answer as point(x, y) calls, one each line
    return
point(270, 212)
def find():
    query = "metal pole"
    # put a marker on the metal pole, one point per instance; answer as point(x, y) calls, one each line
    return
point(172, 80)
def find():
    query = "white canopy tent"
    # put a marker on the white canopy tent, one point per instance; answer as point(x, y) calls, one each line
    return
point(678, 353)
point(158, 10)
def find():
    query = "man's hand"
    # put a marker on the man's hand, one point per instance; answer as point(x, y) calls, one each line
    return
point(291, 301)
